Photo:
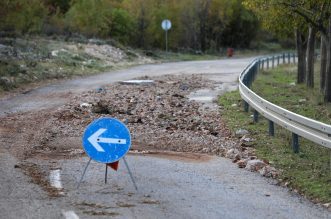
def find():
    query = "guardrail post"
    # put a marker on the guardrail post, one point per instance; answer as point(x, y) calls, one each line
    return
point(295, 143)
point(268, 63)
point(293, 57)
point(256, 116)
point(283, 58)
point(273, 61)
point(278, 59)
point(250, 78)
point(246, 106)
point(289, 58)
point(271, 128)
point(262, 64)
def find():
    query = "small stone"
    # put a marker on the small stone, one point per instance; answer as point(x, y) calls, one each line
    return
point(184, 87)
point(244, 139)
point(100, 90)
point(205, 150)
point(242, 163)
point(158, 98)
point(236, 158)
point(241, 132)
point(302, 100)
point(85, 105)
point(292, 84)
point(234, 105)
point(255, 165)
point(17, 166)
point(327, 205)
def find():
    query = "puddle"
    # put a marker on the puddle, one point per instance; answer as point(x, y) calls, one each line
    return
point(138, 82)
point(203, 95)
point(208, 97)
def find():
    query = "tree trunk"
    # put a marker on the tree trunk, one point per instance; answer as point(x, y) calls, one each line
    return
point(301, 49)
point(327, 88)
point(323, 63)
point(203, 15)
point(310, 57)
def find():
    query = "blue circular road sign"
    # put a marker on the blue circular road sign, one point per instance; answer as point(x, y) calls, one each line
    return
point(106, 140)
point(166, 24)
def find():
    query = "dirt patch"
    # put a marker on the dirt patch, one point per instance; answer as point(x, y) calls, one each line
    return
point(125, 205)
point(93, 205)
point(40, 177)
point(150, 202)
point(101, 213)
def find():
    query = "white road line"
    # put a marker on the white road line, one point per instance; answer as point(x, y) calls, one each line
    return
point(70, 215)
point(55, 179)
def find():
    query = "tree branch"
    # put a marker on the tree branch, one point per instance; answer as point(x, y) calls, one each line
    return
point(307, 15)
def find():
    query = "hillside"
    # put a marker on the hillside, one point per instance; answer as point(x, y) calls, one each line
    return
point(26, 62)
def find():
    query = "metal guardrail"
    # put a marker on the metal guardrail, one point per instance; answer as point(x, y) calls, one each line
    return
point(310, 129)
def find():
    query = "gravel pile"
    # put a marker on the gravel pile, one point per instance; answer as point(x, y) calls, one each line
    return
point(159, 116)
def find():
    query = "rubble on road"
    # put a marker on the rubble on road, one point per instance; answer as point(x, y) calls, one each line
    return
point(159, 117)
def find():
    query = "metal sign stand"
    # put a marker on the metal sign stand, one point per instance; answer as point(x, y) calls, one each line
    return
point(81, 178)
point(166, 25)
point(106, 173)
point(166, 36)
point(131, 176)
point(92, 138)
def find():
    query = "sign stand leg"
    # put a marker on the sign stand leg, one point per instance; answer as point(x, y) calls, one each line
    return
point(106, 173)
point(81, 179)
point(131, 176)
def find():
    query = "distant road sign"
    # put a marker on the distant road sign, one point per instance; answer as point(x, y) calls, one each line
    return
point(166, 25)
point(106, 140)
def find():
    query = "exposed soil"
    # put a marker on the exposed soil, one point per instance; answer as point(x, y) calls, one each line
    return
point(159, 115)
point(40, 177)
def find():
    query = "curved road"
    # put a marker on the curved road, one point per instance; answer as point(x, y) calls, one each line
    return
point(170, 186)
point(226, 70)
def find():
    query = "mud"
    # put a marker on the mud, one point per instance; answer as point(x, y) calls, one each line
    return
point(39, 176)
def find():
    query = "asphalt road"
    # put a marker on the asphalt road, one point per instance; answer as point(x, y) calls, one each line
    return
point(225, 71)
point(169, 186)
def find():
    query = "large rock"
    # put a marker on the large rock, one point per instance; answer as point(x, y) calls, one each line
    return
point(268, 171)
point(232, 153)
point(255, 165)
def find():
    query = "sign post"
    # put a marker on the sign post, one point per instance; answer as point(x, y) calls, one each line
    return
point(166, 25)
point(106, 140)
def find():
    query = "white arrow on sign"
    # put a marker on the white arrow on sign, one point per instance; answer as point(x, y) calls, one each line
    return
point(95, 139)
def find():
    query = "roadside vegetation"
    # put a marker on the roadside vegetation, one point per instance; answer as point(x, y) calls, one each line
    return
point(30, 60)
point(44, 40)
point(307, 172)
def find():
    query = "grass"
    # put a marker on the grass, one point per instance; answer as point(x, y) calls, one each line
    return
point(309, 171)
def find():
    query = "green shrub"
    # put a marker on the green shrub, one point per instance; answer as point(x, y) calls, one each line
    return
point(90, 17)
